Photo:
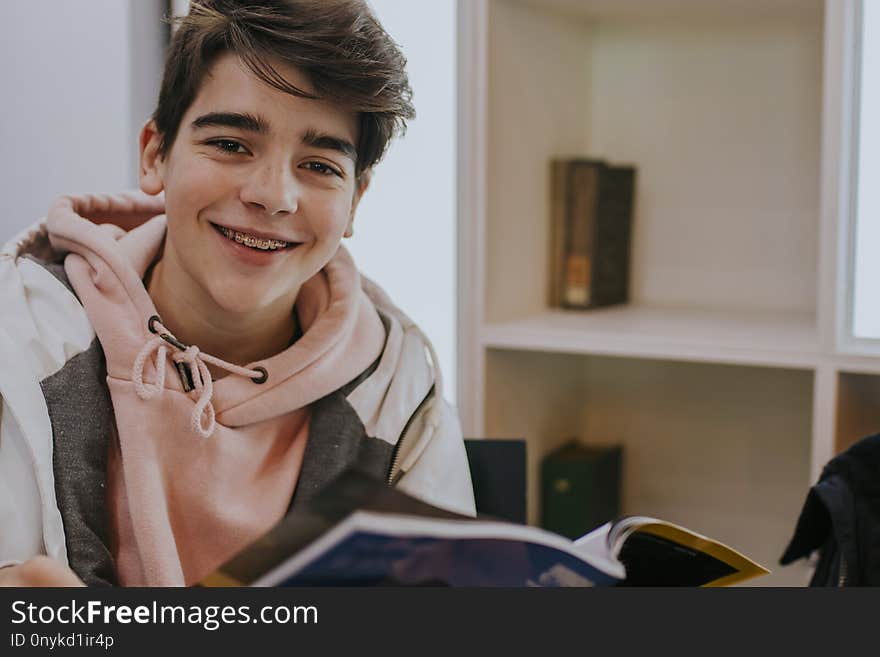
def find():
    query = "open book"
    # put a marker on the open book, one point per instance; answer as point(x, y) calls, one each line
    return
point(359, 532)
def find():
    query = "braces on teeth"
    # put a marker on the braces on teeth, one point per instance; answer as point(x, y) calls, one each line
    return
point(253, 242)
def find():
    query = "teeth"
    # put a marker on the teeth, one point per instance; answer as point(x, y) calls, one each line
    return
point(253, 242)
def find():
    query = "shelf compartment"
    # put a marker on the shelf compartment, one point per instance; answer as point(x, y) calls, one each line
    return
point(722, 449)
point(722, 121)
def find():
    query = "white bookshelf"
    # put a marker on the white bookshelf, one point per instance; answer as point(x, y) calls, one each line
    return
point(730, 378)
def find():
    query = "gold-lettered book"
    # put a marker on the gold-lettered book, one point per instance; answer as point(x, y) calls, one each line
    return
point(591, 227)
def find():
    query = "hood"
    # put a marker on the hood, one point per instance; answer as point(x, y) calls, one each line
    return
point(112, 241)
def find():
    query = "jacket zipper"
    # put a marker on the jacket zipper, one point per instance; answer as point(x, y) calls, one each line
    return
point(395, 457)
point(841, 577)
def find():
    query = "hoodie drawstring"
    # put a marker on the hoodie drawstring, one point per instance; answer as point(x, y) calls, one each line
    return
point(195, 377)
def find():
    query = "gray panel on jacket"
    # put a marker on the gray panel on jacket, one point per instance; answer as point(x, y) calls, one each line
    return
point(337, 440)
point(81, 415)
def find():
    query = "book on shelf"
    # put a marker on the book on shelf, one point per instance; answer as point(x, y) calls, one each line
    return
point(360, 532)
point(580, 487)
point(591, 227)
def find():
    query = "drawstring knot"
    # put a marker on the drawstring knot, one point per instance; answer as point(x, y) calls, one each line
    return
point(192, 367)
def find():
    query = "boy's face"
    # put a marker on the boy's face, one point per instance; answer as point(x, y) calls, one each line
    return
point(259, 188)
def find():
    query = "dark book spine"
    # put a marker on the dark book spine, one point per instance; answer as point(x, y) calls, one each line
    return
point(591, 226)
point(613, 236)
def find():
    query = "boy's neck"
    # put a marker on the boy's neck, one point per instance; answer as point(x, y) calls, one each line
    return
point(192, 316)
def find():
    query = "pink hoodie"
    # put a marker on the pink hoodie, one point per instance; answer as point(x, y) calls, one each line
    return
point(181, 503)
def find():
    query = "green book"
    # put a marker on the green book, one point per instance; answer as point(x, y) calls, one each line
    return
point(580, 488)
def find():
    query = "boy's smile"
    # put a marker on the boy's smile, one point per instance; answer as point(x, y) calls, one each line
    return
point(259, 190)
point(249, 239)
point(253, 247)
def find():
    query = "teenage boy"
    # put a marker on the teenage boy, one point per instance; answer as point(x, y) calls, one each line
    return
point(182, 366)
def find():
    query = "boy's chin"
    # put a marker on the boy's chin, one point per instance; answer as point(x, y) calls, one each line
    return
point(243, 301)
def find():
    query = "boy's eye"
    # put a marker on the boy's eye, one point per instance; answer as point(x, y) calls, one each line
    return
point(228, 146)
point(323, 169)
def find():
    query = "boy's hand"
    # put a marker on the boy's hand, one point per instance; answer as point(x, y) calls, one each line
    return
point(39, 571)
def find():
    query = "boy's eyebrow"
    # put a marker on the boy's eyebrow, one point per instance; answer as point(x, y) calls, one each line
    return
point(240, 120)
point(317, 139)
point(256, 124)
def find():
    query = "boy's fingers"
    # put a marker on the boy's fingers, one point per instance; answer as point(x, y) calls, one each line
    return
point(39, 571)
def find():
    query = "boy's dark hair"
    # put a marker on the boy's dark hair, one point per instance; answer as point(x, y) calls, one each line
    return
point(339, 45)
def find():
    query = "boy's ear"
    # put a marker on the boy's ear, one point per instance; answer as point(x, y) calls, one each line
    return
point(363, 182)
point(151, 165)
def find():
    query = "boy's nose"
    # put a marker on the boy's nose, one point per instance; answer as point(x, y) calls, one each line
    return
point(272, 188)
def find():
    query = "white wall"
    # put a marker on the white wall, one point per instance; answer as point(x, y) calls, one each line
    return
point(866, 302)
point(70, 108)
point(405, 227)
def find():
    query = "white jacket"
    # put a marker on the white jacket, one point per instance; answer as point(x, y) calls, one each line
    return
point(43, 325)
